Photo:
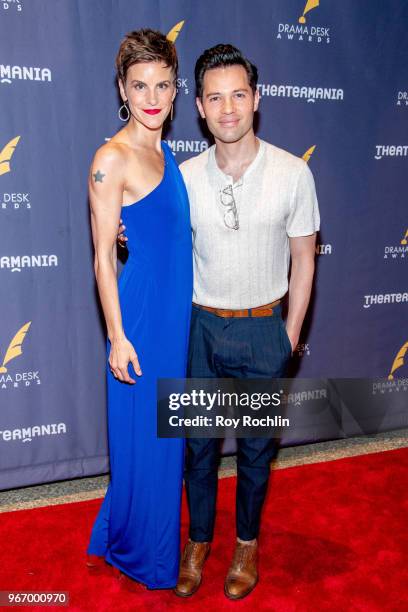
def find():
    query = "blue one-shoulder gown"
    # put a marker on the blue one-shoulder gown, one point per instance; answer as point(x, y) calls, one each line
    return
point(138, 525)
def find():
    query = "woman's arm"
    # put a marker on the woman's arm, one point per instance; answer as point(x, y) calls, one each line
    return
point(106, 179)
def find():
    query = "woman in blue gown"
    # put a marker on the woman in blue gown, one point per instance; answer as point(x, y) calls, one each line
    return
point(147, 314)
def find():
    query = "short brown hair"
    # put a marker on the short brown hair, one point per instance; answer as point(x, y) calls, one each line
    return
point(145, 46)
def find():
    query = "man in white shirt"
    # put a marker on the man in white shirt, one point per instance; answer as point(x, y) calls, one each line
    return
point(253, 210)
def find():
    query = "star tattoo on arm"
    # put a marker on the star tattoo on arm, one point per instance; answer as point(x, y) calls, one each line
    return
point(98, 176)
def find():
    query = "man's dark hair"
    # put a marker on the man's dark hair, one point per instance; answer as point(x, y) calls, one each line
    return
point(219, 57)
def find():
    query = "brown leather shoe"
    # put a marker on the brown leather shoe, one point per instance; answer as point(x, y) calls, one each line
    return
point(191, 567)
point(243, 574)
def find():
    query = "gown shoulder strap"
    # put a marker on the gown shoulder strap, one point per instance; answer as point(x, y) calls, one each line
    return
point(168, 151)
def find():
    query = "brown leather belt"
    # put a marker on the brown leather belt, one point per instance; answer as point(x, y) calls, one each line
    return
point(260, 311)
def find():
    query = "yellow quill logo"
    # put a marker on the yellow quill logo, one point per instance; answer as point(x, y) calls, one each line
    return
point(310, 4)
point(398, 361)
point(174, 32)
point(308, 154)
point(14, 348)
point(6, 154)
point(404, 239)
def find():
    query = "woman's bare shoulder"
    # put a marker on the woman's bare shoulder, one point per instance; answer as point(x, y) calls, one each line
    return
point(111, 154)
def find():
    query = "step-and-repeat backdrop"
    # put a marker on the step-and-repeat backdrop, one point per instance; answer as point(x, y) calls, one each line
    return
point(334, 89)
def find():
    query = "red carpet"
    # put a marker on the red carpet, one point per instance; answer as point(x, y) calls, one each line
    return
point(334, 538)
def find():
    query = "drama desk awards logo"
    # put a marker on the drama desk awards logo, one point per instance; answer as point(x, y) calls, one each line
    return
point(321, 249)
point(399, 360)
point(302, 31)
point(310, 4)
point(397, 251)
point(175, 31)
point(16, 5)
point(302, 349)
point(182, 82)
point(6, 154)
point(11, 200)
point(402, 98)
point(308, 154)
point(397, 380)
point(9, 377)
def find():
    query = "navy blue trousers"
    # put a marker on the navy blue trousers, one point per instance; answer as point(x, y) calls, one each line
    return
point(249, 347)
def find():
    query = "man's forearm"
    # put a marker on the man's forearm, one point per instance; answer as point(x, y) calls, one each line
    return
point(300, 288)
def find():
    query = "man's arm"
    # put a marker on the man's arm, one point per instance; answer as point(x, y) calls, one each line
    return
point(302, 250)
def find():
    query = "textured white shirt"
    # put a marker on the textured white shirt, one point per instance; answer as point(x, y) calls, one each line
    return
point(275, 198)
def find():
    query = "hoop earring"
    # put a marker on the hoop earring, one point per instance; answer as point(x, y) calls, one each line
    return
point(171, 112)
point(120, 112)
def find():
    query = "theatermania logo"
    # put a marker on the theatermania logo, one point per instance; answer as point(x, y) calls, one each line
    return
point(26, 434)
point(8, 73)
point(187, 146)
point(302, 30)
point(298, 398)
point(382, 151)
point(11, 200)
point(16, 5)
point(13, 378)
point(323, 249)
point(385, 298)
point(15, 263)
point(397, 251)
point(304, 93)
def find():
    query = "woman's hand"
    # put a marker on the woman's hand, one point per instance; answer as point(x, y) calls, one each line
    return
point(121, 353)
point(121, 238)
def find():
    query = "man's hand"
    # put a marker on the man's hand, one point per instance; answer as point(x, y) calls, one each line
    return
point(293, 339)
point(121, 238)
